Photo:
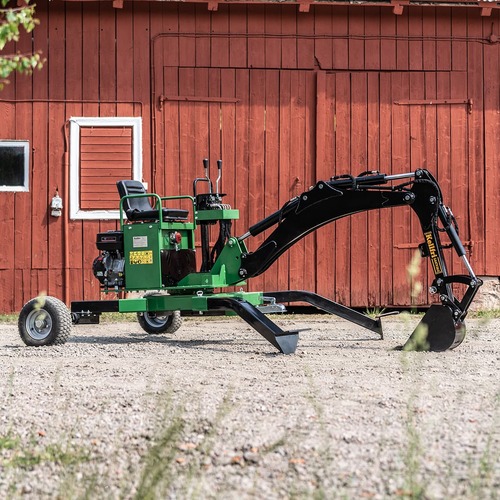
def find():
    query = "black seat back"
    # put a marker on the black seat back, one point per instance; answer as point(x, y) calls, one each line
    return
point(140, 209)
point(129, 187)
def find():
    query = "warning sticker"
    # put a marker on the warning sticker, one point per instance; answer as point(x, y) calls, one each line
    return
point(141, 257)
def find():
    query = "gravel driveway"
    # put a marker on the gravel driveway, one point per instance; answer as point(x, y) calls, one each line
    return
point(215, 412)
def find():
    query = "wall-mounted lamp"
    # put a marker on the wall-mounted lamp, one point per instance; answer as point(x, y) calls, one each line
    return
point(56, 206)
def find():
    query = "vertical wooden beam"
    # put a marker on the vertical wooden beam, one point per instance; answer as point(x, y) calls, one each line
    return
point(74, 91)
point(475, 86)
point(271, 159)
point(358, 162)
point(492, 154)
point(343, 247)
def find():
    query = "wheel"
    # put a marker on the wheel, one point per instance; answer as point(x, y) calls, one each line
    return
point(44, 321)
point(159, 322)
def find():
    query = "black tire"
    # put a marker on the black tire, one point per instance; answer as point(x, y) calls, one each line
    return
point(159, 322)
point(44, 321)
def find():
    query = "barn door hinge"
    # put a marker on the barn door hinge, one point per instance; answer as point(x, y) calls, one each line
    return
point(435, 102)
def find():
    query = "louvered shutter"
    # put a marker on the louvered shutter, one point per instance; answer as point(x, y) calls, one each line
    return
point(106, 155)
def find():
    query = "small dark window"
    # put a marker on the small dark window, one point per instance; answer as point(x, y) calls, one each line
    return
point(14, 161)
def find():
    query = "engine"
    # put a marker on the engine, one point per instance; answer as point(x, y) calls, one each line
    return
point(109, 267)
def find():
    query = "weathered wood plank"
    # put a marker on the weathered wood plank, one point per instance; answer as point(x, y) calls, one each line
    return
point(242, 172)
point(401, 255)
point(492, 156)
point(323, 44)
point(220, 44)
point(271, 160)
point(256, 43)
point(289, 43)
point(417, 278)
point(325, 164)
point(373, 258)
point(286, 184)
point(388, 47)
point(238, 50)
point(343, 166)
point(475, 86)
point(340, 44)
point(273, 43)
point(415, 48)
point(90, 86)
point(358, 161)
point(386, 226)
point(356, 42)
point(459, 201)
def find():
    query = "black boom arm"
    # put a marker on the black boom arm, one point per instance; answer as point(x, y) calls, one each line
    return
point(339, 197)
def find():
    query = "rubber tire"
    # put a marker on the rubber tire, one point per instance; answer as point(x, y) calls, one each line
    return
point(44, 321)
point(153, 322)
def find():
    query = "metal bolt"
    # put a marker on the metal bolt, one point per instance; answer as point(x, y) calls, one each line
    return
point(242, 272)
point(432, 200)
point(304, 197)
point(432, 290)
point(320, 186)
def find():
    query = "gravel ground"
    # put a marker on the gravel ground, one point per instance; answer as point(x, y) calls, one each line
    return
point(214, 412)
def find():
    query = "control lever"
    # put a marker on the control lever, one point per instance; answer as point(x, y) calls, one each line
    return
point(205, 166)
point(219, 168)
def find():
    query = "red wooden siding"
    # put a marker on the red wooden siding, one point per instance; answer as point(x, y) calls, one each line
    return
point(105, 158)
point(285, 98)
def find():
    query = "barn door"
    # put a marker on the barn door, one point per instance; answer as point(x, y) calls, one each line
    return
point(394, 123)
point(261, 123)
point(279, 131)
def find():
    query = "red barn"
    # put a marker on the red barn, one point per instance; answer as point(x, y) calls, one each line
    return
point(286, 93)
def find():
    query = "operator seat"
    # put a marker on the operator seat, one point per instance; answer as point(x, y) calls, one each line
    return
point(140, 209)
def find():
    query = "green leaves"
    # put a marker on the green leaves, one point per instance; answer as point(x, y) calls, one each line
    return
point(13, 21)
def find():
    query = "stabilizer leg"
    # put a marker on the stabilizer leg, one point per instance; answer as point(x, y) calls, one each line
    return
point(437, 331)
point(329, 306)
point(284, 341)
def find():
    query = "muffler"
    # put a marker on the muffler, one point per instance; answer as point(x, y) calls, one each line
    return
point(437, 331)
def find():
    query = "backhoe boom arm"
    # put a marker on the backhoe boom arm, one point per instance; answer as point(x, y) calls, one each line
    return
point(331, 200)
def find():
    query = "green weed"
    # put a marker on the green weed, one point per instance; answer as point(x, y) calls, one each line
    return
point(17, 455)
point(157, 471)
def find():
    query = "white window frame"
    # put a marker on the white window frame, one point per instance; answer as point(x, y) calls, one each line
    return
point(76, 123)
point(26, 146)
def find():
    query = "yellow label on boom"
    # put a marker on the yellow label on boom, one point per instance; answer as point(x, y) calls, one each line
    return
point(433, 254)
point(141, 257)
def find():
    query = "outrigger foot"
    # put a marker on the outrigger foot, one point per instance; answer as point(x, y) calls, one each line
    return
point(284, 341)
point(437, 331)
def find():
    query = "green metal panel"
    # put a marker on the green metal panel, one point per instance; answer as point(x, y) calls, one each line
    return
point(196, 302)
point(169, 241)
point(229, 261)
point(142, 256)
point(230, 214)
point(223, 274)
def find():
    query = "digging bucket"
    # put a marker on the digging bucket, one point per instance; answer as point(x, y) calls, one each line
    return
point(437, 331)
